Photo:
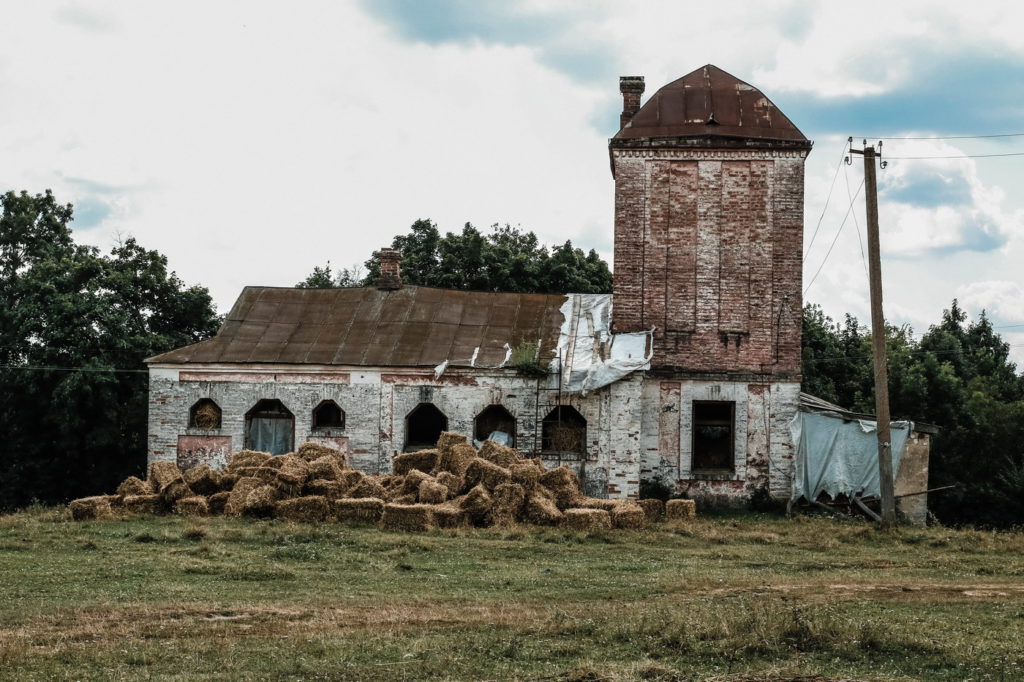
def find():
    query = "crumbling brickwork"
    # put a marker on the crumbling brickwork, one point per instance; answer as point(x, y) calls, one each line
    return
point(708, 252)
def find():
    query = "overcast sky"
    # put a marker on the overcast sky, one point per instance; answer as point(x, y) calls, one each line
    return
point(250, 141)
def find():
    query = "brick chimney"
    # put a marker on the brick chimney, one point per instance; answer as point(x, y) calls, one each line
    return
point(390, 271)
point(631, 88)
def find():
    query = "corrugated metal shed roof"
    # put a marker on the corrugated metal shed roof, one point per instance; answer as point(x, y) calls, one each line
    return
point(408, 327)
point(710, 102)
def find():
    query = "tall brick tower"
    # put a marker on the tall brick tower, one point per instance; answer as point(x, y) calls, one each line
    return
point(709, 225)
point(709, 191)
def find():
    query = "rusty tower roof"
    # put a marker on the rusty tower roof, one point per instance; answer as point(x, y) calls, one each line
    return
point(710, 103)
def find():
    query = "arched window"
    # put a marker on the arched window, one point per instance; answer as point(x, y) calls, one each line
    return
point(327, 415)
point(495, 418)
point(564, 430)
point(423, 426)
point(269, 427)
point(205, 414)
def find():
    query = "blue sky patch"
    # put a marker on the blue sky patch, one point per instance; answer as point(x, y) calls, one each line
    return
point(90, 212)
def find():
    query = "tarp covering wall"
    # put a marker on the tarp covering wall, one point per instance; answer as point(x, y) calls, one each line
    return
point(840, 456)
point(590, 355)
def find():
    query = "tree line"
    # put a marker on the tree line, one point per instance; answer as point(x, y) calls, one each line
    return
point(76, 325)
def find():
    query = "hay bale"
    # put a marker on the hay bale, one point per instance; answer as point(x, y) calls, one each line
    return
point(599, 503)
point(451, 481)
point(448, 440)
point(408, 517)
point(449, 515)
point(134, 486)
point(351, 478)
point(629, 515)
point(162, 473)
point(90, 508)
point(489, 474)
point(653, 508)
point(502, 455)
point(228, 480)
point(409, 498)
point(586, 519)
point(248, 458)
point(174, 491)
point(456, 458)
point(507, 506)
point(142, 504)
point(680, 510)
point(432, 492)
point(236, 499)
point(265, 473)
point(525, 474)
point(476, 503)
point(365, 510)
point(261, 501)
point(326, 468)
point(542, 511)
point(216, 502)
point(565, 485)
point(275, 462)
point(202, 479)
point(292, 475)
point(422, 460)
point(332, 490)
point(411, 482)
point(309, 509)
point(192, 506)
point(368, 487)
point(314, 451)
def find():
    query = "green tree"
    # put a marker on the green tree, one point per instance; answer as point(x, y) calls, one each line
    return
point(504, 259)
point(76, 326)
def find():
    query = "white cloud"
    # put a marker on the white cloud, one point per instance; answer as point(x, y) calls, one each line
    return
point(1002, 300)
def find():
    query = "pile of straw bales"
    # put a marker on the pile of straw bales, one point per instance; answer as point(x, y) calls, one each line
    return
point(448, 486)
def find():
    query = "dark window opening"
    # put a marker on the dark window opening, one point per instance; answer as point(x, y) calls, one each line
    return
point(564, 430)
point(714, 425)
point(495, 418)
point(205, 414)
point(269, 427)
point(327, 415)
point(423, 426)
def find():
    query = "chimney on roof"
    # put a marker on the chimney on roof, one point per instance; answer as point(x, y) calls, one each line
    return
point(631, 88)
point(390, 272)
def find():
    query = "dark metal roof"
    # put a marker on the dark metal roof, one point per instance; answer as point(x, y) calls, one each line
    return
point(412, 326)
point(710, 103)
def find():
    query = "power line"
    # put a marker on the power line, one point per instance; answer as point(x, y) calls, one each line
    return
point(958, 156)
point(943, 137)
point(912, 352)
point(822, 216)
point(860, 238)
point(834, 239)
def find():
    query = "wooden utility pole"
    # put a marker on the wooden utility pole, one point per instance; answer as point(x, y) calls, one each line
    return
point(885, 477)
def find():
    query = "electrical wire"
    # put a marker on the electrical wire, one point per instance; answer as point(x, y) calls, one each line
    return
point(38, 368)
point(822, 216)
point(835, 239)
point(860, 239)
point(959, 156)
point(941, 137)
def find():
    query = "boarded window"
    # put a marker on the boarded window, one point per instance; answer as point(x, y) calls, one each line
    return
point(564, 430)
point(423, 426)
point(495, 418)
point(714, 427)
point(269, 427)
point(327, 415)
point(205, 414)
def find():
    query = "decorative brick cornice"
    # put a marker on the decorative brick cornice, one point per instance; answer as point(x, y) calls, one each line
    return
point(677, 154)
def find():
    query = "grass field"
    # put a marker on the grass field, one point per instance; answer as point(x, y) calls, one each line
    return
point(730, 598)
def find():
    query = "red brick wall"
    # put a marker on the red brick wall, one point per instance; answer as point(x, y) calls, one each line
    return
point(708, 251)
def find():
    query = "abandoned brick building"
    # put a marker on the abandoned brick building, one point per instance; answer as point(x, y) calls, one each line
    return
point(688, 374)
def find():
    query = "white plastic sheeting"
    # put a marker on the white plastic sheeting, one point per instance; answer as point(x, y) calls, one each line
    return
point(840, 456)
point(589, 355)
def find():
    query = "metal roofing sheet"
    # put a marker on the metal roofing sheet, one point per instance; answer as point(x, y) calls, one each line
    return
point(710, 102)
point(412, 326)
